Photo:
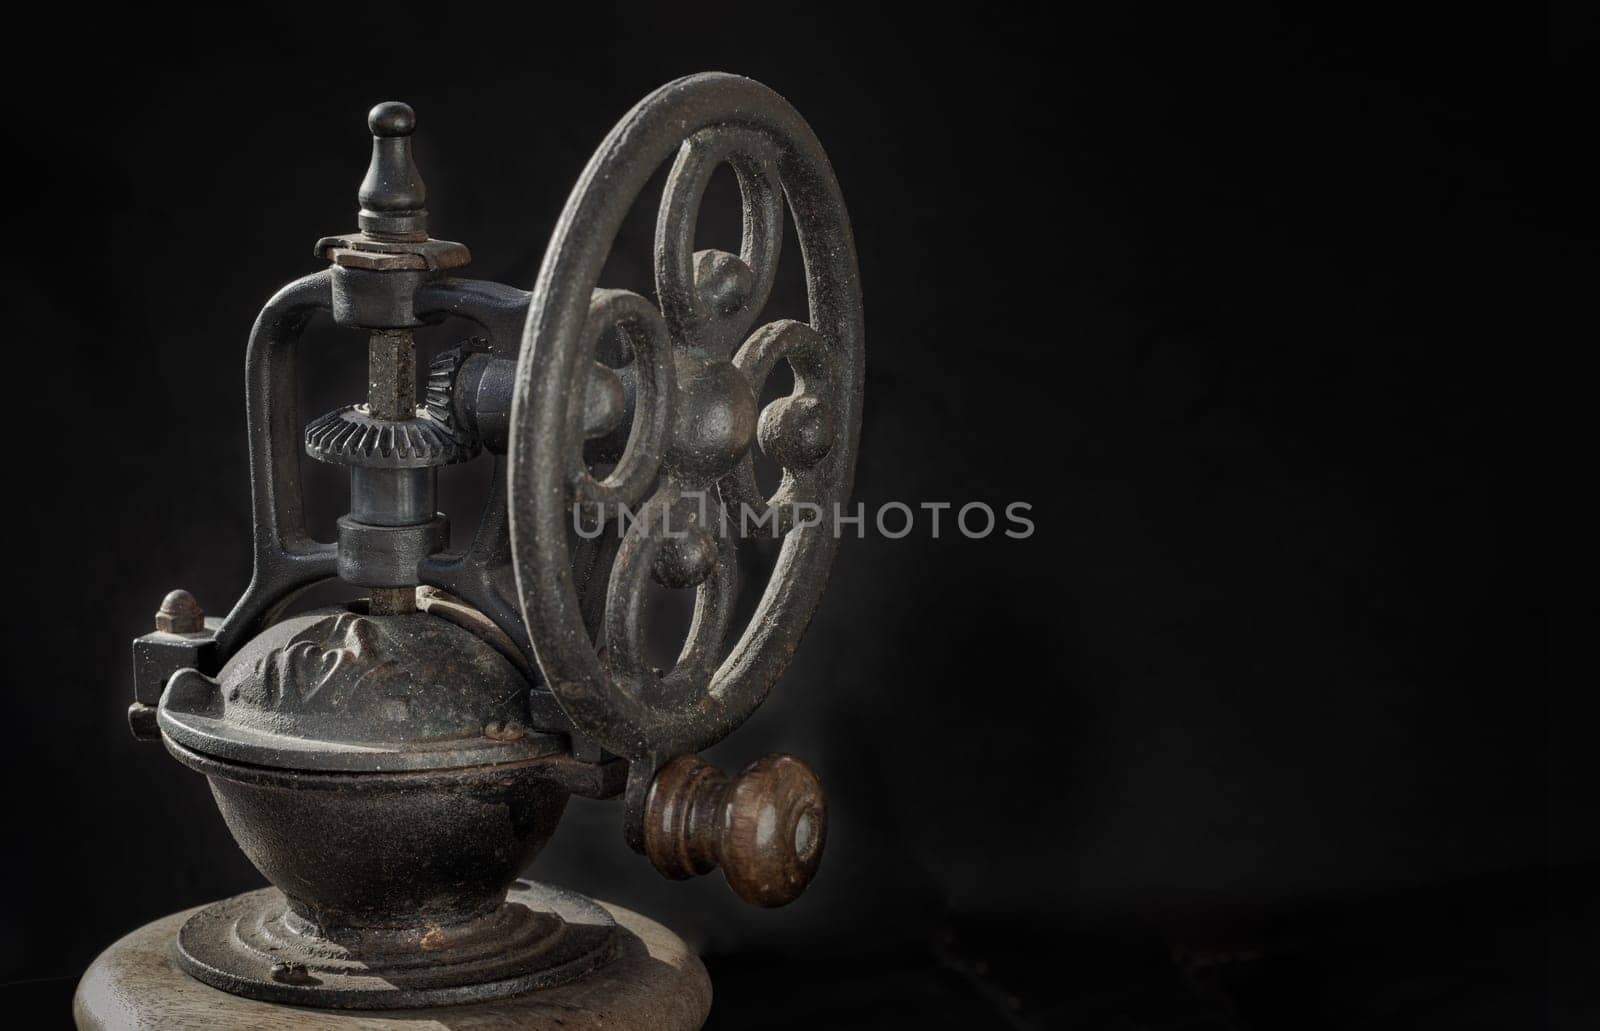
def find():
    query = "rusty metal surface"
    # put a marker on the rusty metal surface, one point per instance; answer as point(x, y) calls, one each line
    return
point(391, 764)
point(339, 689)
point(257, 945)
point(391, 374)
point(356, 250)
point(369, 864)
point(696, 416)
point(391, 397)
point(180, 614)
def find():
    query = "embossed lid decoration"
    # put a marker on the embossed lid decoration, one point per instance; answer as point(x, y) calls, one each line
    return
point(337, 690)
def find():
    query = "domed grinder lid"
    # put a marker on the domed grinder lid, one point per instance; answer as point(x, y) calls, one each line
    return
point(336, 689)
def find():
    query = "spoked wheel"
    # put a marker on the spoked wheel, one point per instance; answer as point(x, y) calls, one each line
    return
point(684, 491)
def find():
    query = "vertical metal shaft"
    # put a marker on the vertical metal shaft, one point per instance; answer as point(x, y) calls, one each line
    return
point(392, 374)
point(392, 394)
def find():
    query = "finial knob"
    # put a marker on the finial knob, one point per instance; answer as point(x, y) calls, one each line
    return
point(393, 195)
point(392, 118)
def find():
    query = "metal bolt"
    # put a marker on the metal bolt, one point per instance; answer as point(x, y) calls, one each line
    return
point(180, 614)
point(142, 721)
point(504, 730)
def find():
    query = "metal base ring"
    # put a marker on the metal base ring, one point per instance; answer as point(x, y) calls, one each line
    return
point(257, 946)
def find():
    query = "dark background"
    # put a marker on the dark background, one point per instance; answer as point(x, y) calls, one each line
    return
point(1252, 733)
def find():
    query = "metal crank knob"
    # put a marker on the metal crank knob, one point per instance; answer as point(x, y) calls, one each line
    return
point(766, 827)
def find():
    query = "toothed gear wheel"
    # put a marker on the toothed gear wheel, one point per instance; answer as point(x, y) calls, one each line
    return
point(351, 436)
point(439, 391)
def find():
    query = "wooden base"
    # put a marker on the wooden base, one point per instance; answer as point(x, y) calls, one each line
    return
point(655, 983)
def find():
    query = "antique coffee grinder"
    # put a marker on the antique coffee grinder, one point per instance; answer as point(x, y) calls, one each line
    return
point(391, 765)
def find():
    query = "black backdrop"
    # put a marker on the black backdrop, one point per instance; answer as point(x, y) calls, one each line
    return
point(1236, 302)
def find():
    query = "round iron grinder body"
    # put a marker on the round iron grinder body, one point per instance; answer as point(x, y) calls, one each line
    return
point(379, 771)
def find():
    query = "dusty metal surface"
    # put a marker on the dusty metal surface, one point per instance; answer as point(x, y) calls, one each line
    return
point(390, 765)
point(696, 417)
point(653, 981)
point(257, 945)
point(341, 689)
